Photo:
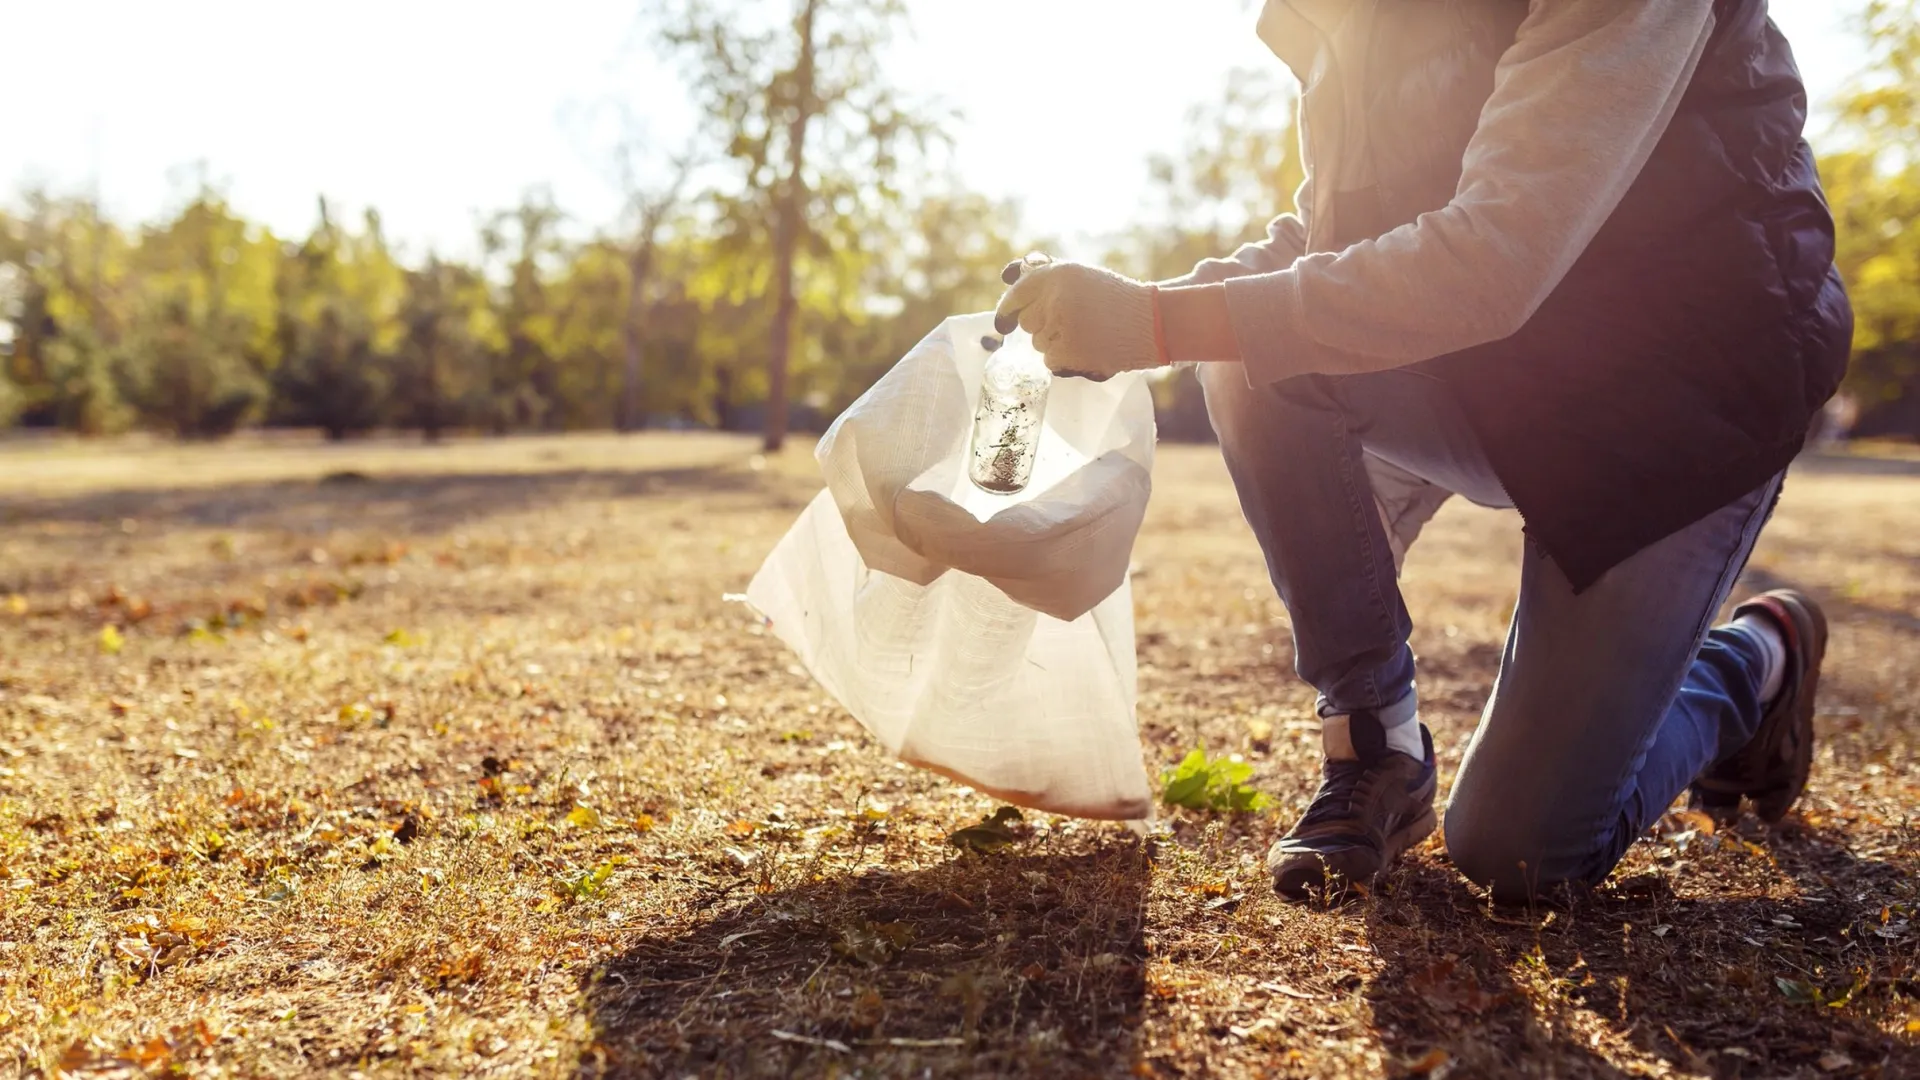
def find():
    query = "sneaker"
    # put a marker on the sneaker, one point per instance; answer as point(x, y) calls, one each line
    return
point(1772, 768)
point(1368, 810)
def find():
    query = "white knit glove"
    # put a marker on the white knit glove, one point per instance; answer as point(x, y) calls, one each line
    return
point(1085, 321)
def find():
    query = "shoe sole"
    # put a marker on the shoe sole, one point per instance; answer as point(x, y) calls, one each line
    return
point(1309, 878)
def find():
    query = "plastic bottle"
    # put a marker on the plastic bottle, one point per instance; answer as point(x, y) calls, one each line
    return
point(1008, 421)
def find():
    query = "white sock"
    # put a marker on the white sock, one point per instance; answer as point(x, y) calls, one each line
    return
point(1405, 737)
point(1762, 631)
point(1400, 722)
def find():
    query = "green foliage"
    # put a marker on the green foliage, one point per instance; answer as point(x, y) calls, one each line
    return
point(1203, 783)
point(449, 330)
point(587, 884)
point(523, 377)
point(199, 332)
point(204, 321)
point(819, 142)
point(1873, 185)
point(801, 245)
point(339, 296)
point(61, 270)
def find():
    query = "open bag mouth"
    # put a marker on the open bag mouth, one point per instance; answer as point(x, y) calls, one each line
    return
point(986, 637)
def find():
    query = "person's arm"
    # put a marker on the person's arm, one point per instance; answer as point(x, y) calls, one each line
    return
point(1286, 241)
point(1579, 102)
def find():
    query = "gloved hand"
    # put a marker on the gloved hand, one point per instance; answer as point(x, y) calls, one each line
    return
point(1085, 321)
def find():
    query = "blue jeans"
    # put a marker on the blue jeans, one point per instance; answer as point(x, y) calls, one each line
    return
point(1608, 703)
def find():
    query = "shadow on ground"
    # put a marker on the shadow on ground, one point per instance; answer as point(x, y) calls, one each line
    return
point(1030, 966)
point(1713, 986)
point(401, 502)
point(1819, 463)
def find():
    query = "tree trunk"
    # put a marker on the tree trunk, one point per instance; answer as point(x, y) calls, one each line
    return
point(787, 235)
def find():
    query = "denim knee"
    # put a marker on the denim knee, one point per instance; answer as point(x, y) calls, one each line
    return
point(1491, 850)
point(1512, 854)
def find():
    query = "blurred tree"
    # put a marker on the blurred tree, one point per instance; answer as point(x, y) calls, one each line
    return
point(524, 244)
point(1873, 186)
point(651, 208)
point(794, 88)
point(942, 258)
point(62, 267)
point(441, 366)
point(590, 300)
point(200, 320)
point(339, 299)
point(12, 307)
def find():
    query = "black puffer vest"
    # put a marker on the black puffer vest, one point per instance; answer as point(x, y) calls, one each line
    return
point(1680, 363)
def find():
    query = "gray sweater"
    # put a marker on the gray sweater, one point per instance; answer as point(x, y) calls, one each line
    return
point(1579, 102)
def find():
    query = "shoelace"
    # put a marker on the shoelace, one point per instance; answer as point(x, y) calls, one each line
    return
point(1335, 797)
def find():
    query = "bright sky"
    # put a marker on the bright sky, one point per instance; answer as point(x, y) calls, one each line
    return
point(436, 111)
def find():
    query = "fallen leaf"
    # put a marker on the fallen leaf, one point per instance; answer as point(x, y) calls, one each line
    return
point(1798, 991)
point(1834, 1061)
point(153, 1052)
point(992, 833)
point(1451, 990)
point(111, 640)
point(1687, 821)
point(741, 828)
point(584, 817)
point(1429, 1061)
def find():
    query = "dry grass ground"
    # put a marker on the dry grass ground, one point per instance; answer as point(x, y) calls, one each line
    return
point(455, 761)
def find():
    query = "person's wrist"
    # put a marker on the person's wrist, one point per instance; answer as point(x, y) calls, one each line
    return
point(1161, 358)
point(1195, 324)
